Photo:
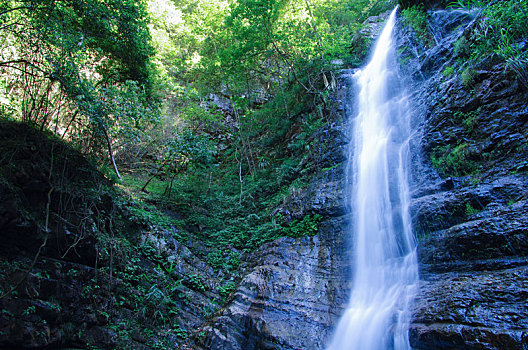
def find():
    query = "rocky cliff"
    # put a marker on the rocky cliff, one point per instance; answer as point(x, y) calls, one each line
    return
point(470, 199)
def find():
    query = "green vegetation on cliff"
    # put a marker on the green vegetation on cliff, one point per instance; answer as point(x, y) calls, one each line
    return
point(493, 47)
point(211, 108)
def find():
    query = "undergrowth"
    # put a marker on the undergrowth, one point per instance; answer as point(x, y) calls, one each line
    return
point(416, 18)
point(501, 28)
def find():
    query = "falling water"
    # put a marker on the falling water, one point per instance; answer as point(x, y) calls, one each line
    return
point(385, 265)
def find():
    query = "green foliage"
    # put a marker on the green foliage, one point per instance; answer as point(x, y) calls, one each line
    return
point(258, 35)
point(467, 4)
point(195, 282)
point(461, 47)
point(94, 27)
point(307, 226)
point(448, 71)
point(227, 289)
point(222, 260)
point(468, 119)
point(80, 69)
point(149, 215)
point(188, 148)
point(128, 109)
point(502, 25)
point(404, 4)
point(330, 167)
point(453, 161)
point(270, 63)
point(468, 76)
point(416, 18)
point(181, 333)
point(29, 311)
point(470, 210)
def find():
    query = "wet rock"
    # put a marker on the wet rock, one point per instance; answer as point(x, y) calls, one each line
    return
point(473, 310)
point(472, 231)
point(445, 23)
point(289, 300)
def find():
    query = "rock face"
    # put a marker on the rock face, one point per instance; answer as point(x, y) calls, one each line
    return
point(287, 301)
point(295, 289)
point(470, 217)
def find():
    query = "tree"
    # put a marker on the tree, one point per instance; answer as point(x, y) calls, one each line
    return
point(63, 61)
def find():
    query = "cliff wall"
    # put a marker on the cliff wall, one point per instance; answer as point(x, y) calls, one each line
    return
point(470, 198)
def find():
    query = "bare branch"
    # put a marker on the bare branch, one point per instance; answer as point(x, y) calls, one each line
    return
point(14, 9)
point(29, 63)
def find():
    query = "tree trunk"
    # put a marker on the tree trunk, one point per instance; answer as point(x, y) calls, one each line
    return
point(109, 144)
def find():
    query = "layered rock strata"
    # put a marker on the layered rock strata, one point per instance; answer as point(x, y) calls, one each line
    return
point(470, 212)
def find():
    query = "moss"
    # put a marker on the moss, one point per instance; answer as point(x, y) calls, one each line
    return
point(461, 47)
point(467, 76)
point(448, 71)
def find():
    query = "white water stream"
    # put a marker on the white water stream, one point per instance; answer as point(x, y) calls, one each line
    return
point(385, 270)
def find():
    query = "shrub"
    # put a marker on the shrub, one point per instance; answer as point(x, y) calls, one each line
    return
point(468, 76)
point(416, 18)
point(448, 71)
point(453, 161)
point(461, 47)
point(307, 226)
point(502, 25)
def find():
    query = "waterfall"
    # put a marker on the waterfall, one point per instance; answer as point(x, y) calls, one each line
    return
point(385, 272)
